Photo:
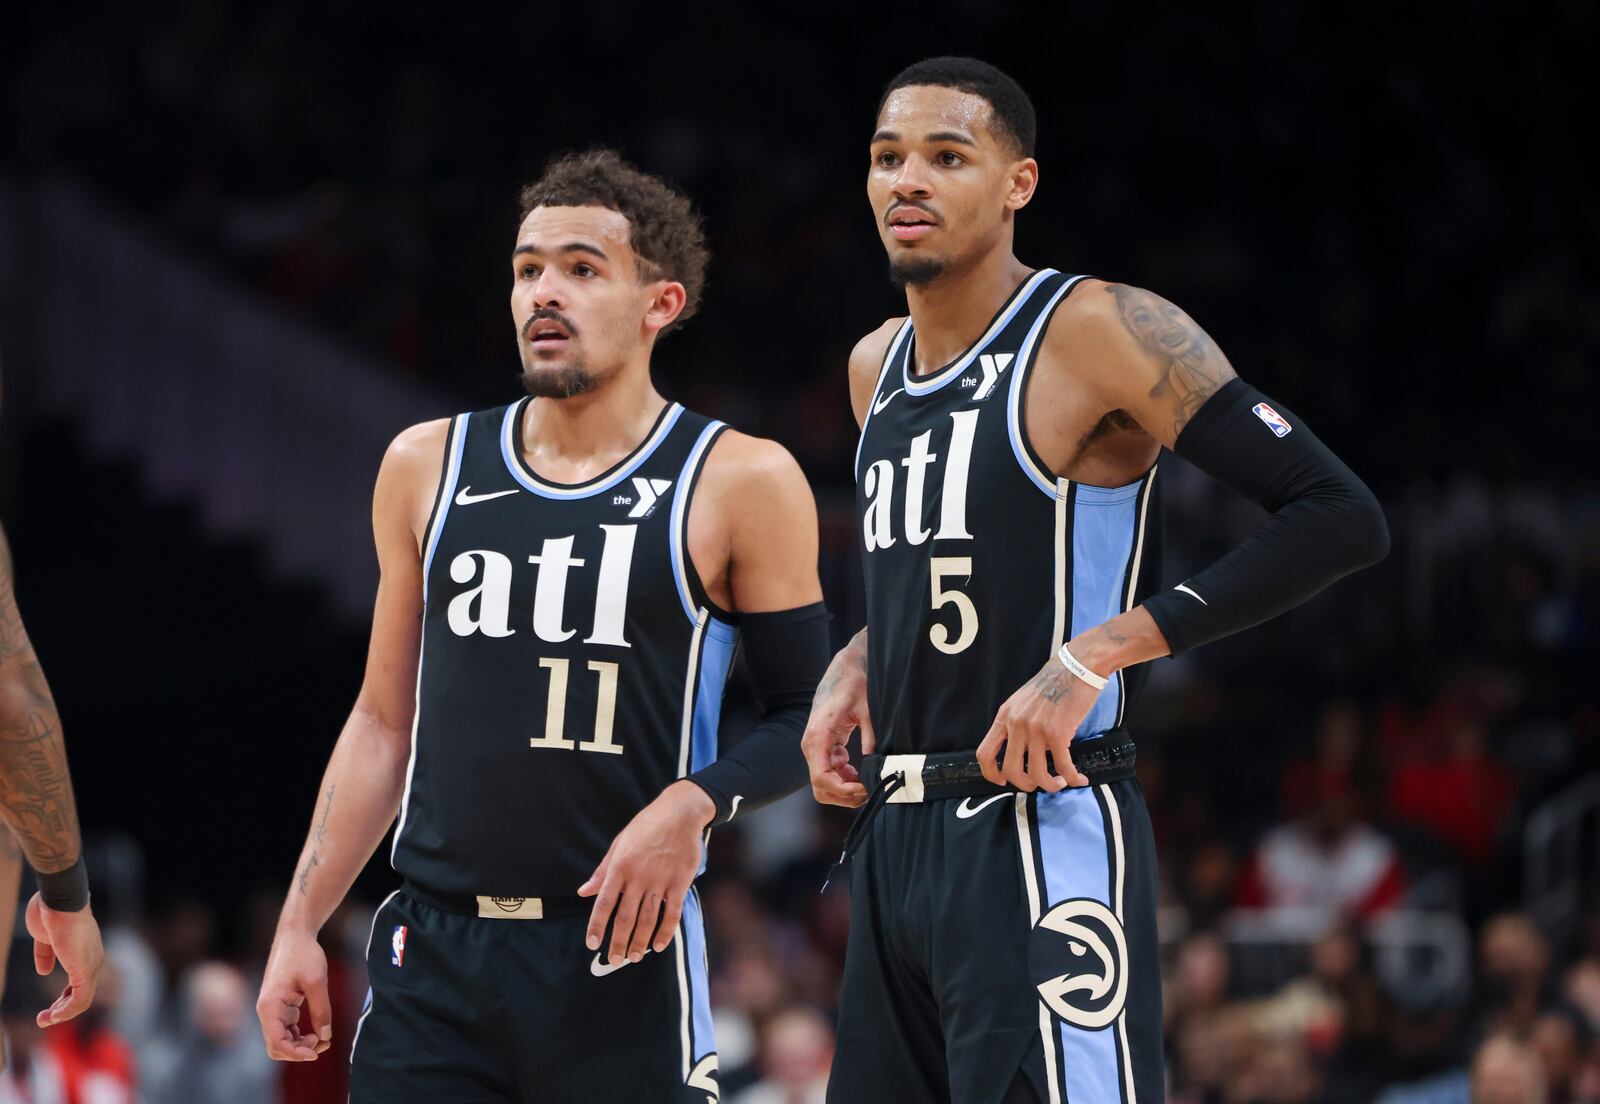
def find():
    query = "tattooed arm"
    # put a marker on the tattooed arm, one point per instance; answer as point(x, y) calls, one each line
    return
point(35, 789)
point(361, 790)
point(1143, 363)
point(41, 817)
point(1149, 358)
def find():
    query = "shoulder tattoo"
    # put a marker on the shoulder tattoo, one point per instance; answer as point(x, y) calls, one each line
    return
point(1193, 368)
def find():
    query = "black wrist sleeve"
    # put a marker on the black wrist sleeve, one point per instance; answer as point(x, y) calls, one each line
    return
point(65, 890)
point(786, 653)
point(1325, 523)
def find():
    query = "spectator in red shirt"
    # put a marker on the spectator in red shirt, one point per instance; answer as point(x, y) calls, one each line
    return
point(1330, 860)
point(1461, 796)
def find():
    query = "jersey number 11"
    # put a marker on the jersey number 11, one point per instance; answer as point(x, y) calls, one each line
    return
point(605, 709)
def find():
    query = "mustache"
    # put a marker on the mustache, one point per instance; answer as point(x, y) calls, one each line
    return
point(547, 314)
point(899, 203)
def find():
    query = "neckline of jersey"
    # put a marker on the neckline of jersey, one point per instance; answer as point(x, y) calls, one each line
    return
point(923, 385)
point(530, 480)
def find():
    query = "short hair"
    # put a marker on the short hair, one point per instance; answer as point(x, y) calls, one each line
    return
point(1008, 103)
point(664, 229)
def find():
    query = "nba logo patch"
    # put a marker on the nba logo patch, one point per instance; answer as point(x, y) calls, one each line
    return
point(1273, 419)
point(397, 945)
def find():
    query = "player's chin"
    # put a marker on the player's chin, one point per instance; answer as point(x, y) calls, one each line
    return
point(557, 380)
point(910, 267)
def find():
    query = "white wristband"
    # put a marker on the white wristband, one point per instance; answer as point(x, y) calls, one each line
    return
point(1080, 672)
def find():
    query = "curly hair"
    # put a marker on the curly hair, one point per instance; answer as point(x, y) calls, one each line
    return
point(664, 229)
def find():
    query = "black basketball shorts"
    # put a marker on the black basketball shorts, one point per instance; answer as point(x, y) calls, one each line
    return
point(1003, 948)
point(467, 1009)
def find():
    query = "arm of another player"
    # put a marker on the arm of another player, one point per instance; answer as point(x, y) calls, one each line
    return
point(361, 789)
point(1145, 357)
point(38, 807)
point(753, 539)
point(840, 705)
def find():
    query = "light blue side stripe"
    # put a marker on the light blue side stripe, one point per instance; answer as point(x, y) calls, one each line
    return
point(1072, 850)
point(928, 384)
point(676, 539)
point(447, 493)
point(694, 929)
point(716, 656)
point(1103, 524)
point(549, 490)
point(1019, 372)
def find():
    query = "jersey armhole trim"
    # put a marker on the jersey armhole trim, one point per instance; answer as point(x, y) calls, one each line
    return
point(691, 592)
point(1027, 459)
point(877, 388)
point(449, 475)
point(1130, 582)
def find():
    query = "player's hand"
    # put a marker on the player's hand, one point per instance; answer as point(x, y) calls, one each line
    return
point(296, 976)
point(839, 707)
point(1041, 718)
point(72, 939)
point(646, 874)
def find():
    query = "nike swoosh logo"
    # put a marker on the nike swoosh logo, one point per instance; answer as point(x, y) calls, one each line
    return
point(967, 809)
point(883, 402)
point(1191, 594)
point(734, 807)
point(600, 969)
point(467, 498)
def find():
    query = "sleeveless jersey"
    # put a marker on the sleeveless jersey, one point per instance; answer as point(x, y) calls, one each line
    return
point(571, 665)
point(980, 563)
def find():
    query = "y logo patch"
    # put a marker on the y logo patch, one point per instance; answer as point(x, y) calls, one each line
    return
point(993, 366)
point(648, 491)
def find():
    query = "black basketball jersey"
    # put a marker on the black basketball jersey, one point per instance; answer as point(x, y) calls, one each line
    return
point(571, 667)
point(979, 562)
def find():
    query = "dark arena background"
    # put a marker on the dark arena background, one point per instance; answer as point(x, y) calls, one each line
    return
point(242, 246)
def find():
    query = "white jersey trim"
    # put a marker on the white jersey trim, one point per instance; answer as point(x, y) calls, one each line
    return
point(926, 384)
point(447, 489)
point(455, 445)
point(367, 1011)
point(510, 451)
point(1045, 481)
point(1139, 530)
point(678, 538)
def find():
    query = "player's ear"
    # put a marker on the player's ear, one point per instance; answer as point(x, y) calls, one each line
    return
point(667, 300)
point(1024, 180)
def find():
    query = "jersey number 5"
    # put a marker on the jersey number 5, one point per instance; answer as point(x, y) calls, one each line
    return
point(605, 709)
point(938, 568)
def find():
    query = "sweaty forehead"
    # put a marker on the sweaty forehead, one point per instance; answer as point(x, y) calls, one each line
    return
point(550, 228)
point(920, 109)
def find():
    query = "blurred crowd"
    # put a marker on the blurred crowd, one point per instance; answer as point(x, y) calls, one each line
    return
point(1374, 234)
point(1341, 798)
point(1365, 942)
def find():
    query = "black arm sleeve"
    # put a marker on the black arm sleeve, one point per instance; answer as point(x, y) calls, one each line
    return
point(1325, 523)
point(786, 653)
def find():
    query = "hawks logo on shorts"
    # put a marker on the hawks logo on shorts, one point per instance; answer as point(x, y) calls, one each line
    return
point(1076, 955)
point(397, 945)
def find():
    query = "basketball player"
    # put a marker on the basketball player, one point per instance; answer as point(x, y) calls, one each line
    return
point(563, 583)
point(1003, 940)
point(40, 818)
